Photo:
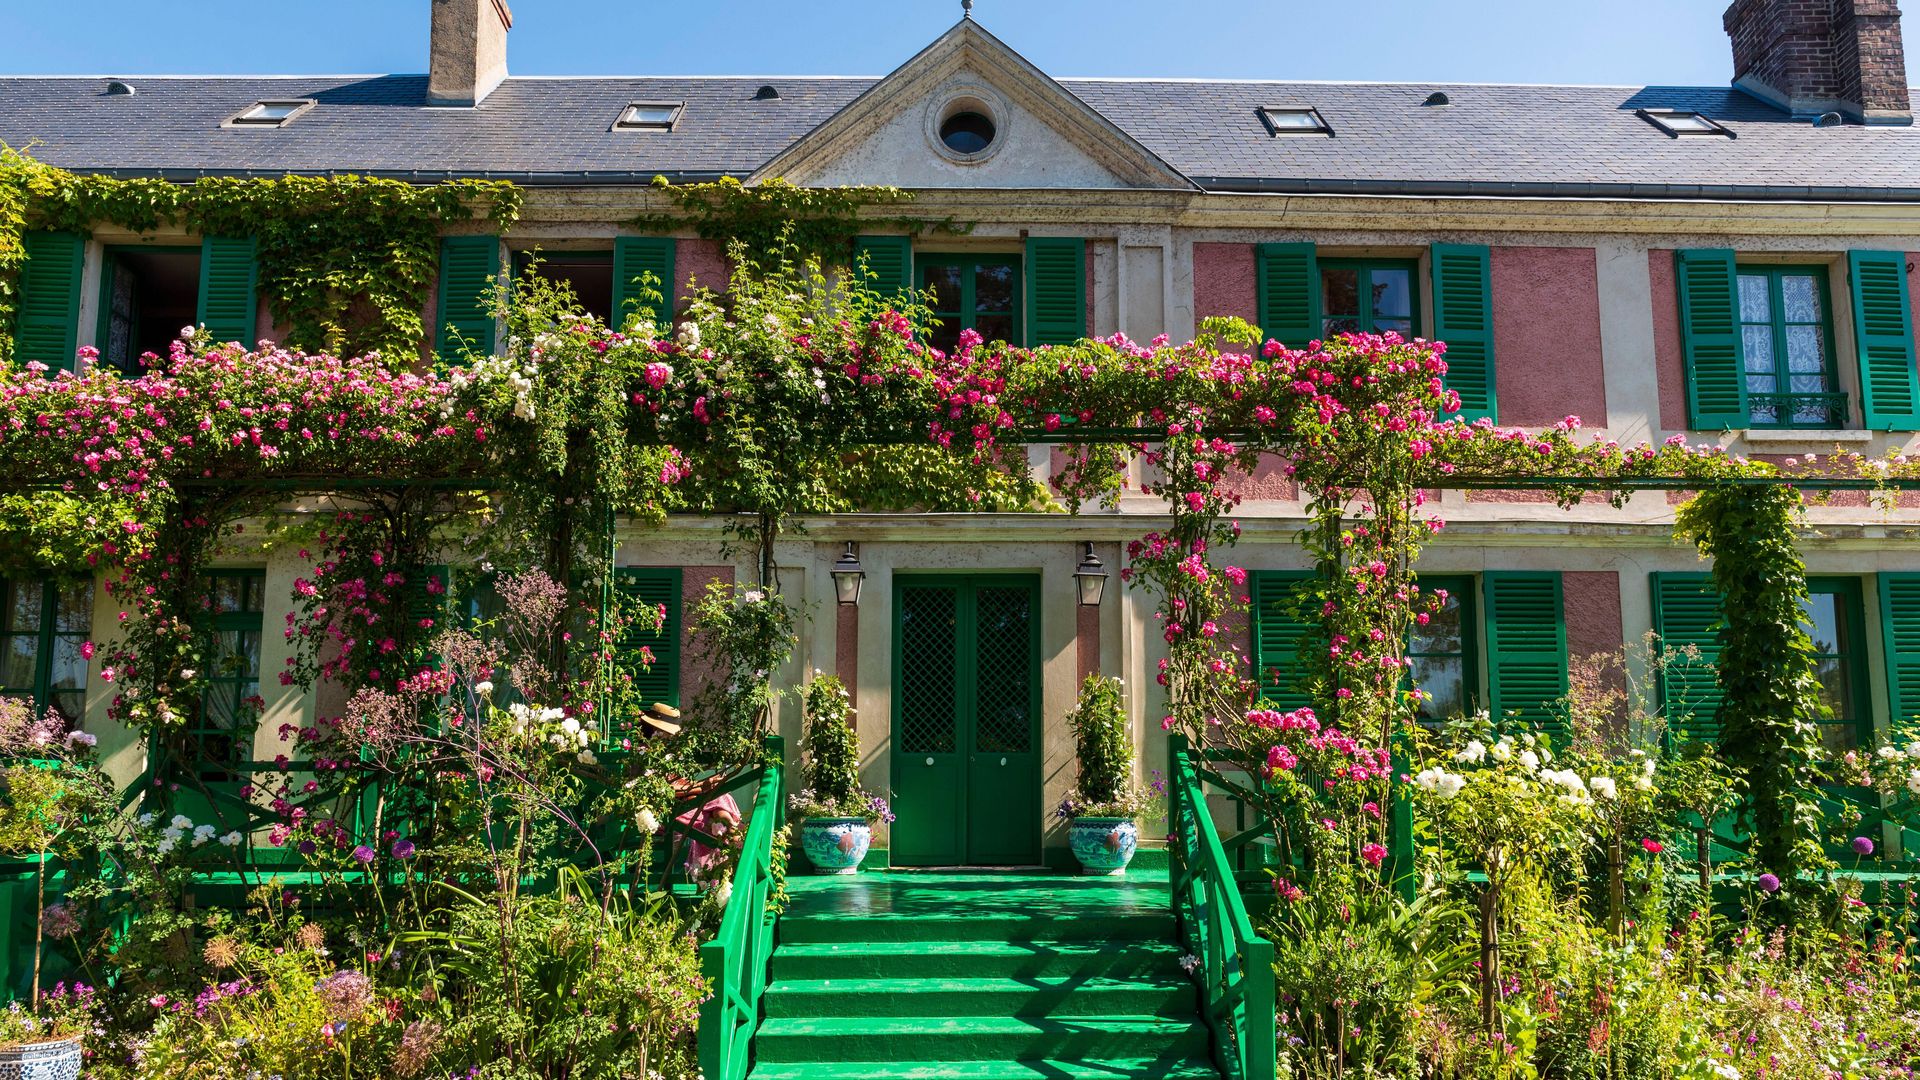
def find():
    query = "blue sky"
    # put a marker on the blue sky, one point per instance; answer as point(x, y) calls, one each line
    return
point(1619, 41)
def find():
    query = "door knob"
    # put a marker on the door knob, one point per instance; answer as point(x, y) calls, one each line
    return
point(1003, 761)
point(929, 759)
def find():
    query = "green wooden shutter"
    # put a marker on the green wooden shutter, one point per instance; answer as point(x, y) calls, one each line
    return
point(1287, 285)
point(634, 256)
point(652, 586)
point(229, 279)
point(1463, 318)
point(48, 316)
point(1281, 634)
point(1710, 339)
point(1883, 331)
point(1056, 290)
point(1526, 649)
point(468, 267)
point(1686, 611)
point(1900, 637)
point(889, 262)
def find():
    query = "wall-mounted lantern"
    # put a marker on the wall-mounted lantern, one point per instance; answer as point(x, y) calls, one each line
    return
point(847, 575)
point(1091, 577)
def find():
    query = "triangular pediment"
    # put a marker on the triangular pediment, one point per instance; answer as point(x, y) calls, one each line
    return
point(1045, 137)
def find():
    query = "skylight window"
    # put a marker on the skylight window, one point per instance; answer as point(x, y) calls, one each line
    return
point(270, 113)
point(1678, 122)
point(649, 116)
point(1294, 120)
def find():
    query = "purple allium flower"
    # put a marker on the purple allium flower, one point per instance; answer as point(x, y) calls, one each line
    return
point(59, 921)
point(1862, 846)
point(403, 848)
point(306, 847)
point(346, 994)
point(1769, 883)
point(363, 854)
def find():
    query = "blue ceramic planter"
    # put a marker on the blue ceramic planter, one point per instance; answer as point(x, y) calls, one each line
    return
point(41, 1061)
point(1104, 845)
point(836, 845)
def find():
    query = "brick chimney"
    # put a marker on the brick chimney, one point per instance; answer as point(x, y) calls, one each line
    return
point(469, 47)
point(1818, 56)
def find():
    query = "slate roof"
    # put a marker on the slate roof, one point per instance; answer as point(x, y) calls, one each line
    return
point(1492, 139)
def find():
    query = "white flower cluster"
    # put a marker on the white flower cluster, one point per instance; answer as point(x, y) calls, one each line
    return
point(1573, 789)
point(495, 369)
point(1441, 782)
point(181, 827)
point(569, 734)
point(1502, 752)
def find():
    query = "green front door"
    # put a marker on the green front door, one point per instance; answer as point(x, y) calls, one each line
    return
point(966, 721)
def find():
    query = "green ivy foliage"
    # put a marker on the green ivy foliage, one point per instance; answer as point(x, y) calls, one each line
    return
point(818, 223)
point(1771, 701)
point(346, 262)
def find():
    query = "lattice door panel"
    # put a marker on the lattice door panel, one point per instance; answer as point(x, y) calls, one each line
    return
point(1003, 678)
point(929, 636)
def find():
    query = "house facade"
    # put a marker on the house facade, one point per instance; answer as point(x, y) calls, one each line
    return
point(1731, 265)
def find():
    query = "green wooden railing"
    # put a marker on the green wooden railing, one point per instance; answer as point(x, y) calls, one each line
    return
point(1235, 966)
point(735, 962)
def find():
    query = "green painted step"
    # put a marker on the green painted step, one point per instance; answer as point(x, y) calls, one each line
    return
point(1195, 1068)
point(974, 959)
point(1073, 995)
point(1090, 926)
point(1001, 1038)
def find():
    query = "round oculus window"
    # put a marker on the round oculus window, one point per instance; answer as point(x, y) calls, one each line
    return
point(967, 132)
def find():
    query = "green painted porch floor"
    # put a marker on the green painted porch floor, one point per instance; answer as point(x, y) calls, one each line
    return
point(899, 975)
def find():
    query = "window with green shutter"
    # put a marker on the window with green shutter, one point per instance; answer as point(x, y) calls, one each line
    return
point(47, 316)
point(1786, 347)
point(1282, 633)
point(1287, 293)
point(1686, 619)
point(588, 275)
point(971, 292)
point(1443, 657)
point(1883, 332)
point(1368, 296)
point(1900, 641)
point(1710, 339)
point(1833, 617)
point(653, 587)
point(468, 268)
point(1463, 318)
point(643, 277)
point(1526, 649)
point(229, 297)
point(888, 262)
point(222, 731)
point(43, 633)
point(1056, 290)
point(147, 294)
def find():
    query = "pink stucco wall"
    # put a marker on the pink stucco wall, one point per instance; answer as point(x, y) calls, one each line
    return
point(1223, 281)
point(1591, 600)
point(1546, 336)
point(701, 262)
point(1268, 480)
point(1670, 367)
point(695, 672)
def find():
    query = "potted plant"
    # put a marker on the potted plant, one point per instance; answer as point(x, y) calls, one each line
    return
point(836, 814)
point(1101, 812)
point(43, 1042)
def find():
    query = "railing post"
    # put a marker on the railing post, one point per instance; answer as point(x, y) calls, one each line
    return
point(1257, 1044)
point(716, 1037)
point(1400, 862)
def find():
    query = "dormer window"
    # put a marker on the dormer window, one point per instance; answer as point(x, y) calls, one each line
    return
point(278, 113)
point(1295, 120)
point(1678, 122)
point(649, 116)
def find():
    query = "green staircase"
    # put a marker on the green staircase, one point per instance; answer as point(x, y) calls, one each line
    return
point(936, 976)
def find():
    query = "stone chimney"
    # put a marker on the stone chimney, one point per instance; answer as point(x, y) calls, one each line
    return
point(1818, 56)
point(469, 47)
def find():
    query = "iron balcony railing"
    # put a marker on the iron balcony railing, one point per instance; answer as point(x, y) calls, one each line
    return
point(1798, 410)
point(736, 961)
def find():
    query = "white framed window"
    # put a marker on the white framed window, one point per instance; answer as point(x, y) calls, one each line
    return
point(649, 116)
point(275, 113)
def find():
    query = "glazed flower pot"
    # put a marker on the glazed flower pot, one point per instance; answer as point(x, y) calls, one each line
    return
point(56, 1060)
point(836, 845)
point(1104, 845)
